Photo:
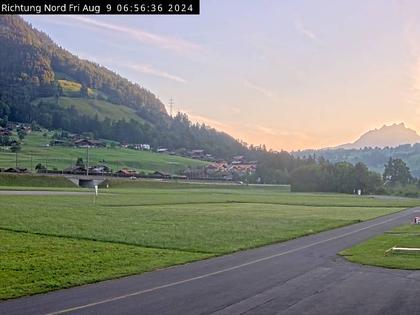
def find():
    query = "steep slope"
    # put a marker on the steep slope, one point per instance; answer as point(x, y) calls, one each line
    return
point(31, 56)
point(386, 136)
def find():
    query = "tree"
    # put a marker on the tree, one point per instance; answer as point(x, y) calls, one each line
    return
point(80, 162)
point(397, 172)
point(35, 126)
point(21, 133)
point(5, 140)
point(4, 114)
point(40, 168)
point(84, 92)
point(3, 121)
point(15, 148)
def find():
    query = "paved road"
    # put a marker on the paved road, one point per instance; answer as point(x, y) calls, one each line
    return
point(302, 276)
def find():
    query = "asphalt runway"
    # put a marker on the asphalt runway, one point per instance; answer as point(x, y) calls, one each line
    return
point(302, 276)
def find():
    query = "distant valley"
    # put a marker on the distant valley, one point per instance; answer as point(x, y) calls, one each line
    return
point(375, 147)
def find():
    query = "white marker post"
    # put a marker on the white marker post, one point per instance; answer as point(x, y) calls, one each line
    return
point(96, 194)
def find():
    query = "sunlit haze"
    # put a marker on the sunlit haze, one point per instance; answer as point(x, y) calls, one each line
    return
point(288, 74)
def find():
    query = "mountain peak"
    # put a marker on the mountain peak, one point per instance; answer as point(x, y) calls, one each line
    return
point(386, 136)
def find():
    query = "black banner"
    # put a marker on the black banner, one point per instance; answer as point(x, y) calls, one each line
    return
point(148, 7)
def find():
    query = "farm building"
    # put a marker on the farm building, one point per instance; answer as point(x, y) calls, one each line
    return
point(16, 170)
point(87, 143)
point(5, 132)
point(158, 174)
point(75, 170)
point(126, 173)
point(197, 154)
point(99, 170)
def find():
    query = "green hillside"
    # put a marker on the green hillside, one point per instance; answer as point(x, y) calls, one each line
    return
point(94, 107)
point(34, 151)
point(72, 88)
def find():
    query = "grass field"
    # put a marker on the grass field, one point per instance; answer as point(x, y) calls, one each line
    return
point(373, 252)
point(34, 152)
point(34, 263)
point(30, 181)
point(147, 227)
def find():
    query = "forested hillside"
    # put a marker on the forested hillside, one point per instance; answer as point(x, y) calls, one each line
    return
point(42, 82)
point(374, 158)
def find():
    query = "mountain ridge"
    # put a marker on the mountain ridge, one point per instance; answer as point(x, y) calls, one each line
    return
point(387, 136)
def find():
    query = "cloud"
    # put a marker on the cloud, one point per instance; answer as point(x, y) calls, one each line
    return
point(266, 130)
point(280, 133)
point(178, 45)
point(148, 69)
point(267, 93)
point(302, 29)
point(208, 121)
point(142, 68)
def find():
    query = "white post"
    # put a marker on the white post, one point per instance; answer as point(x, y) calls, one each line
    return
point(96, 193)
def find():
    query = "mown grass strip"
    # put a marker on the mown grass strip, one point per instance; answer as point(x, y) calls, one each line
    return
point(31, 264)
point(374, 251)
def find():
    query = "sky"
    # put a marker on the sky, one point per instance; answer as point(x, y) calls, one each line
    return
point(288, 74)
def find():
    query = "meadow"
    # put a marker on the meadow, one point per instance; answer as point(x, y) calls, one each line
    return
point(92, 106)
point(374, 252)
point(152, 225)
point(34, 151)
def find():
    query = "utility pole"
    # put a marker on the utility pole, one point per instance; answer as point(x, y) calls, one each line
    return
point(31, 163)
point(171, 105)
point(87, 160)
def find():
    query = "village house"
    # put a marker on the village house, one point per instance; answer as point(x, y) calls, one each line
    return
point(197, 154)
point(140, 147)
point(220, 169)
point(162, 175)
point(5, 132)
point(209, 158)
point(125, 172)
point(75, 170)
point(238, 159)
point(224, 170)
point(62, 143)
point(16, 170)
point(99, 170)
point(145, 147)
point(26, 128)
point(87, 143)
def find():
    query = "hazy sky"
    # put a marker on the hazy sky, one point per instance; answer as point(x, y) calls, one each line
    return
point(289, 74)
